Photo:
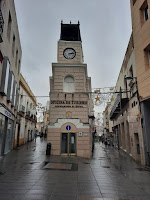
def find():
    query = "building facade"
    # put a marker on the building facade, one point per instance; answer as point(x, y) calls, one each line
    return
point(46, 118)
point(10, 62)
point(108, 125)
point(69, 130)
point(125, 109)
point(40, 127)
point(140, 10)
point(26, 115)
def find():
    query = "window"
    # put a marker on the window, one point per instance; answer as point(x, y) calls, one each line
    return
point(13, 46)
point(133, 1)
point(149, 57)
point(146, 13)
point(27, 107)
point(6, 77)
point(16, 58)
point(17, 98)
point(11, 90)
point(19, 67)
point(69, 84)
point(1, 57)
point(9, 26)
point(131, 72)
point(14, 94)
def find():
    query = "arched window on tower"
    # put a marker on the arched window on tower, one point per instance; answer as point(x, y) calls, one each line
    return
point(69, 84)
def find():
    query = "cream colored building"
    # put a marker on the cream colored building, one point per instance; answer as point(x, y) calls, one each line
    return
point(140, 13)
point(125, 109)
point(108, 124)
point(46, 118)
point(10, 62)
point(26, 116)
point(69, 130)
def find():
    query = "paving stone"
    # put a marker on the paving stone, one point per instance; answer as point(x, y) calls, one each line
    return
point(92, 181)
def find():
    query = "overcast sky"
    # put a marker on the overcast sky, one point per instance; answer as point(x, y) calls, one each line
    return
point(105, 31)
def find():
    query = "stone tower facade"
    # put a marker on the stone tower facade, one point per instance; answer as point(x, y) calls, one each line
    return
point(69, 130)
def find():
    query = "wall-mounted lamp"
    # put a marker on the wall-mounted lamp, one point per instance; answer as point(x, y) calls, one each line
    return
point(129, 78)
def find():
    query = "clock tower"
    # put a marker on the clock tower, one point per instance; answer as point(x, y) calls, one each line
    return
point(69, 130)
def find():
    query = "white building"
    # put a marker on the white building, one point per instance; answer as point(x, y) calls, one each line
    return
point(26, 118)
point(10, 62)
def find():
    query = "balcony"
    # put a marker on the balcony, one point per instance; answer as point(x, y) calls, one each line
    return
point(35, 118)
point(32, 116)
point(118, 106)
point(1, 26)
point(28, 113)
point(22, 109)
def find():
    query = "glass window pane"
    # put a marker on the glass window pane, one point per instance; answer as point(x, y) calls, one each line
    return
point(6, 77)
point(9, 136)
point(2, 122)
point(72, 143)
point(64, 143)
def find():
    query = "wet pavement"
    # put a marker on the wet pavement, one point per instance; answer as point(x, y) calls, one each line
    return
point(27, 173)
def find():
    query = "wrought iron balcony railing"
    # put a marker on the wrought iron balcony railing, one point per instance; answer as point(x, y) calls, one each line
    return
point(1, 26)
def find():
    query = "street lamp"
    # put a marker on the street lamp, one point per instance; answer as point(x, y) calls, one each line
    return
point(129, 78)
point(131, 84)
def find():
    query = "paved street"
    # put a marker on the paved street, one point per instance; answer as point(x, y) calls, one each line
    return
point(108, 175)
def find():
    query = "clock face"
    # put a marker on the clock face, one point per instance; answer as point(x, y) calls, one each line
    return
point(69, 53)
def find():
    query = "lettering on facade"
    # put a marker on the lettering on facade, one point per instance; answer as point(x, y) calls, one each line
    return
point(68, 104)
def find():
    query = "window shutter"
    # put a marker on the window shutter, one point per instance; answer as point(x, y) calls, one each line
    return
point(14, 93)
point(5, 76)
point(10, 82)
point(17, 98)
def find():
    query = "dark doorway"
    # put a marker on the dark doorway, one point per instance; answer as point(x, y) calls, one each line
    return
point(18, 135)
point(68, 144)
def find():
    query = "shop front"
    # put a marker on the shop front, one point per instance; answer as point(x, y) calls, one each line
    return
point(6, 130)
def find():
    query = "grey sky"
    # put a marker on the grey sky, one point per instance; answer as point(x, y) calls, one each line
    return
point(105, 31)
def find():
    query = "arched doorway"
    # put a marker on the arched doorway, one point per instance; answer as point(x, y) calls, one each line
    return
point(68, 139)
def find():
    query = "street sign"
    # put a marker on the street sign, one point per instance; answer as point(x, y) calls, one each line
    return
point(68, 128)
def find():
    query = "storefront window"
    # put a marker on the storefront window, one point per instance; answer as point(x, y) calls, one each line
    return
point(2, 121)
point(9, 136)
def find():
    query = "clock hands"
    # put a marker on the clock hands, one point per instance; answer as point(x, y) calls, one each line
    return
point(69, 53)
